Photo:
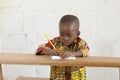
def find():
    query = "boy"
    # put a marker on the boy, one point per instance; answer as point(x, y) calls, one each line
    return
point(68, 44)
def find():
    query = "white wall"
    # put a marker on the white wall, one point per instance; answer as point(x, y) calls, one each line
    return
point(24, 23)
point(0, 40)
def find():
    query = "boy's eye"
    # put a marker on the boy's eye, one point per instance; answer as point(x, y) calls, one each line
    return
point(61, 34)
point(69, 35)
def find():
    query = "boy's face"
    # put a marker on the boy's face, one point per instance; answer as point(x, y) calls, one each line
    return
point(68, 33)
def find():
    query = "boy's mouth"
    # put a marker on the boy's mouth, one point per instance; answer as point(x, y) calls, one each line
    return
point(66, 43)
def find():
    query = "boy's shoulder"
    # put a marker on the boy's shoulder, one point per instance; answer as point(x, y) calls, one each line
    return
point(58, 37)
point(79, 39)
point(55, 39)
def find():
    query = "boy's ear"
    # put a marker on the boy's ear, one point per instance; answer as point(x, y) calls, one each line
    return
point(78, 33)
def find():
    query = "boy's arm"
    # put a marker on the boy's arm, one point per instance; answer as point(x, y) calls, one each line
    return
point(40, 49)
point(71, 54)
point(84, 49)
point(46, 49)
point(82, 52)
point(78, 54)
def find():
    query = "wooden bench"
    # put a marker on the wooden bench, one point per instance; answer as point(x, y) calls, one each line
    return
point(31, 59)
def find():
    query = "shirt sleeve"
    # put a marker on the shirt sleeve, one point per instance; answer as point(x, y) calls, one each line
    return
point(43, 47)
point(84, 48)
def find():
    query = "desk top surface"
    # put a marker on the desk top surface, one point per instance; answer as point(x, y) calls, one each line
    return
point(32, 59)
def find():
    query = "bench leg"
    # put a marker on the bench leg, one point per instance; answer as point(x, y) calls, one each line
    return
point(1, 75)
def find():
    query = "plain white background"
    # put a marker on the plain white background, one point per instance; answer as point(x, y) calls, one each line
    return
point(23, 24)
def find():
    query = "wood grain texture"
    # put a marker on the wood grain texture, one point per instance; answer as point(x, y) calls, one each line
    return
point(32, 59)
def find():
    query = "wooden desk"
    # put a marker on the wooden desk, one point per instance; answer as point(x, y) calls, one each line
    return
point(32, 59)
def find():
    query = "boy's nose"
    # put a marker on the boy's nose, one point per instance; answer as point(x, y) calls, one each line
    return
point(65, 38)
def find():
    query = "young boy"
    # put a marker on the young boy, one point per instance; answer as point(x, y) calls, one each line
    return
point(68, 44)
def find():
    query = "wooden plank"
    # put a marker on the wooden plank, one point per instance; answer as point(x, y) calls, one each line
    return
point(31, 78)
point(1, 75)
point(32, 59)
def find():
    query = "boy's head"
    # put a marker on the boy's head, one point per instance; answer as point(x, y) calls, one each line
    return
point(69, 29)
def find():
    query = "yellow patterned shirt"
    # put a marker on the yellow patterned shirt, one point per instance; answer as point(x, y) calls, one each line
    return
point(67, 72)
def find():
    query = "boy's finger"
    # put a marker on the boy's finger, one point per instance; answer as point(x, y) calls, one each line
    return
point(61, 54)
point(58, 52)
point(64, 55)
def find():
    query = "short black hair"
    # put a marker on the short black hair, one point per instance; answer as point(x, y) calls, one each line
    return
point(70, 19)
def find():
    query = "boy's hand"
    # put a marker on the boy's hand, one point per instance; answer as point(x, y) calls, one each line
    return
point(55, 53)
point(67, 54)
point(50, 52)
